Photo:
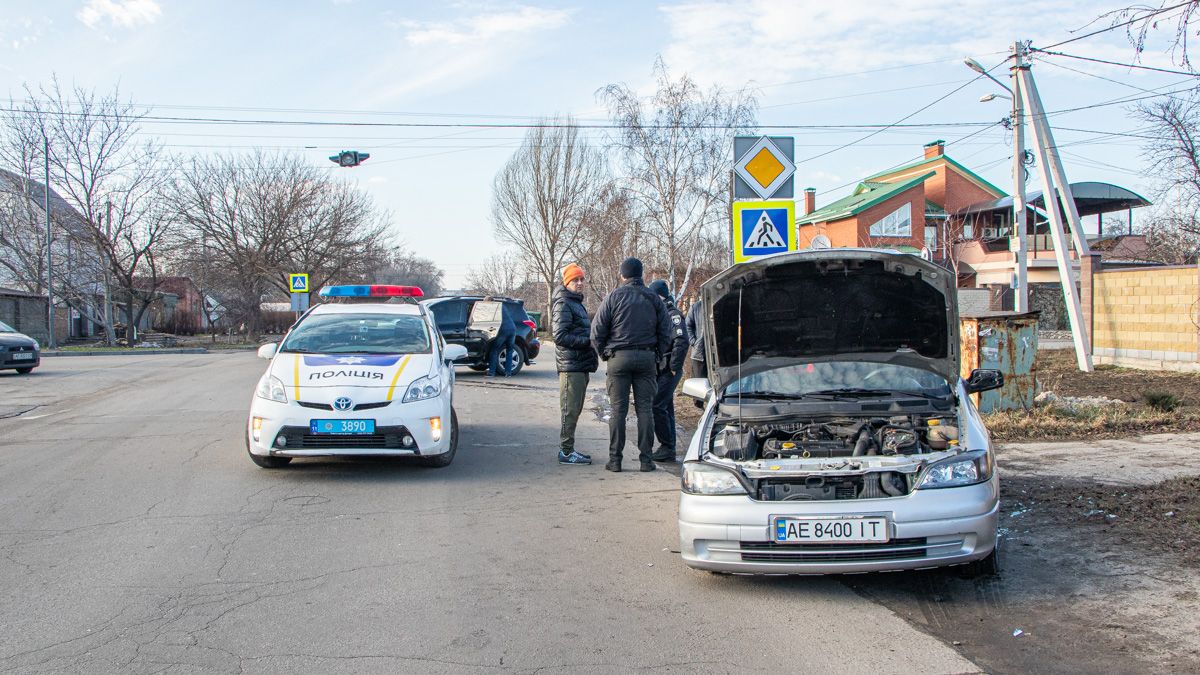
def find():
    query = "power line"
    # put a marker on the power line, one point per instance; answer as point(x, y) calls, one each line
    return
point(1120, 25)
point(923, 108)
point(1116, 63)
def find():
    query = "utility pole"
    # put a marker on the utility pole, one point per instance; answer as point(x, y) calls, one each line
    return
point(1019, 249)
point(1050, 168)
point(109, 332)
point(51, 340)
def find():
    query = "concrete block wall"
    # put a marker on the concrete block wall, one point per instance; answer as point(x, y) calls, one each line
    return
point(1146, 317)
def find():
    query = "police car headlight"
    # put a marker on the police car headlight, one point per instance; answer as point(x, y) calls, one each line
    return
point(423, 388)
point(271, 388)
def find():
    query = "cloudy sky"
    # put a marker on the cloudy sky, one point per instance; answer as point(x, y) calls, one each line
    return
point(456, 63)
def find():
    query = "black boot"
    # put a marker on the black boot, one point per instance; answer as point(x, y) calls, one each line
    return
point(614, 464)
point(648, 466)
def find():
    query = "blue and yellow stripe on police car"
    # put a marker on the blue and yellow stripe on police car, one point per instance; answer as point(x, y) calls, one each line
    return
point(296, 376)
point(396, 377)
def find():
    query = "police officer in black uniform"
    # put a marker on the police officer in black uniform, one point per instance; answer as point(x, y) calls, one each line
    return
point(632, 332)
point(668, 378)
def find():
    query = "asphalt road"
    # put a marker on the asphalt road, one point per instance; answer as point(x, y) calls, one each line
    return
point(136, 536)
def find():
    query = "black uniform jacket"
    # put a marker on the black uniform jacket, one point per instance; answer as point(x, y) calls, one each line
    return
point(632, 317)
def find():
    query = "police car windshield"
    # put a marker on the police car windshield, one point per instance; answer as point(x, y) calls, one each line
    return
point(358, 334)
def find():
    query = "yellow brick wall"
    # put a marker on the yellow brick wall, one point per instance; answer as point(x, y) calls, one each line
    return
point(1148, 309)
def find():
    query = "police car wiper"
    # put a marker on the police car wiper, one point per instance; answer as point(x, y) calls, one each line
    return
point(296, 351)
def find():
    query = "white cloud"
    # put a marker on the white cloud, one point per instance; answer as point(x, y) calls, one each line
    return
point(772, 42)
point(443, 55)
point(119, 13)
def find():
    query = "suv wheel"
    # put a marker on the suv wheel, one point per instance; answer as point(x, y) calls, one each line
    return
point(518, 359)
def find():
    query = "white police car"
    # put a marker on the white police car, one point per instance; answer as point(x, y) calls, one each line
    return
point(367, 378)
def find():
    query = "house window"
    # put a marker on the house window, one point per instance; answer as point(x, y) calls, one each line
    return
point(969, 230)
point(898, 223)
point(931, 237)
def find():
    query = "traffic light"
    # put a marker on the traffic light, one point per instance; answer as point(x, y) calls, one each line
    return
point(348, 158)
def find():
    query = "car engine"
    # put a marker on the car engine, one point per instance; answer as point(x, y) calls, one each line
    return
point(836, 457)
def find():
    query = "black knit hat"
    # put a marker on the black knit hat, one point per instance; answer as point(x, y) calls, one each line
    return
point(631, 268)
point(659, 286)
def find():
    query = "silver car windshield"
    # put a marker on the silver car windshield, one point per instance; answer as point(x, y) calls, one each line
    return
point(5, 328)
point(359, 334)
point(835, 376)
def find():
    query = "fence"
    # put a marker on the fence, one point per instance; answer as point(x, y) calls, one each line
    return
point(1146, 317)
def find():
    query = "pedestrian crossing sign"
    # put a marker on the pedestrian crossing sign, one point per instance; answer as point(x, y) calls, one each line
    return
point(763, 228)
point(298, 283)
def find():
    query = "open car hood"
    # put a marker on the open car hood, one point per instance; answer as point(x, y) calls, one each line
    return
point(836, 304)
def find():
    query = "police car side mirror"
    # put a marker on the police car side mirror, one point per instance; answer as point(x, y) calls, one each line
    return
point(453, 353)
point(267, 351)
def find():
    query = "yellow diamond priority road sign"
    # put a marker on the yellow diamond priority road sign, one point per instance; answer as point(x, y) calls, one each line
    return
point(764, 167)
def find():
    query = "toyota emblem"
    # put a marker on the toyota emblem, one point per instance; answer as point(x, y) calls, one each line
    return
point(342, 403)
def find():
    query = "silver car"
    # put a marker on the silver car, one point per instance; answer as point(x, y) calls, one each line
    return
point(837, 435)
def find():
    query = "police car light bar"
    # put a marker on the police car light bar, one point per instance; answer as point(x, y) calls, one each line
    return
point(371, 291)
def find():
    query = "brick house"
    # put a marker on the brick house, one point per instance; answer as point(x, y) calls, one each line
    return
point(905, 208)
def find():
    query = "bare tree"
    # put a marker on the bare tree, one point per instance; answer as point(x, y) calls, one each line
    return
point(605, 240)
point(1142, 20)
point(1172, 235)
point(1174, 124)
point(676, 162)
point(501, 274)
point(541, 194)
point(252, 219)
point(113, 182)
point(406, 268)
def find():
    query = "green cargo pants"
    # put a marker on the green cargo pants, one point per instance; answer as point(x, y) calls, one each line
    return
point(572, 390)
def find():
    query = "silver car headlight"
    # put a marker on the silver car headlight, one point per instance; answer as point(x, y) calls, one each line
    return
point(423, 388)
point(700, 478)
point(968, 468)
point(271, 388)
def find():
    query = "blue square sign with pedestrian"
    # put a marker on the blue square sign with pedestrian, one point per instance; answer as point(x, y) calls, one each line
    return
point(763, 228)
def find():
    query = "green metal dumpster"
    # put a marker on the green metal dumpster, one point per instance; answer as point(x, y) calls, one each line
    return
point(537, 318)
point(1004, 341)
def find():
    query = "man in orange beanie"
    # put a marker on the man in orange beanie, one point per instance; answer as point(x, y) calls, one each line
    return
point(575, 358)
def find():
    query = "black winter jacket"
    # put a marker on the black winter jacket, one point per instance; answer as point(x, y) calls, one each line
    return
point(632, 317)
point(679, 338)
point(572, 333)
point(695, 327)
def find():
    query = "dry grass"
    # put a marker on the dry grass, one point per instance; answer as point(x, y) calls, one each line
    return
point(1142, 391)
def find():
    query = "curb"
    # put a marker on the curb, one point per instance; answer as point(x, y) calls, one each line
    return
point(130, 352)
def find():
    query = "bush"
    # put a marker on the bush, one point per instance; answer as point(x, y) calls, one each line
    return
point(1161, 400)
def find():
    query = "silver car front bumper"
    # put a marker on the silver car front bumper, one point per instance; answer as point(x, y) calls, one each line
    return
point(928, 528)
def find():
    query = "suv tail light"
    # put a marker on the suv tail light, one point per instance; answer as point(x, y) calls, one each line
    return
point(531, 324)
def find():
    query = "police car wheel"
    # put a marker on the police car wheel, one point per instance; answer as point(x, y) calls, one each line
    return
point(444, 459)
point(266, 461)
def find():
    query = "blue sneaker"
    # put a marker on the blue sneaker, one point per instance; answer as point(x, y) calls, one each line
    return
point(573, 458)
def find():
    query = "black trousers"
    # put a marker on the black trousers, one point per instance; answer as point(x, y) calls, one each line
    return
point(664, 414)
point(696, 368)
point(636, 370)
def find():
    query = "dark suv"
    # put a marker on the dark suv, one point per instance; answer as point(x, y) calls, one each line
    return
point(472, 322)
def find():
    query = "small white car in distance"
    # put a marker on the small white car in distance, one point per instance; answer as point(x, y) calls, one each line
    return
point(837, 434)
point(367, 377)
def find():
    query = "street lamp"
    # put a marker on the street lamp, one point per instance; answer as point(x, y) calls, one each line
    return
point(1021, 282)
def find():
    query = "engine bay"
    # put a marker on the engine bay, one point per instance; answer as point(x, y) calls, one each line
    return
point(835, 457)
